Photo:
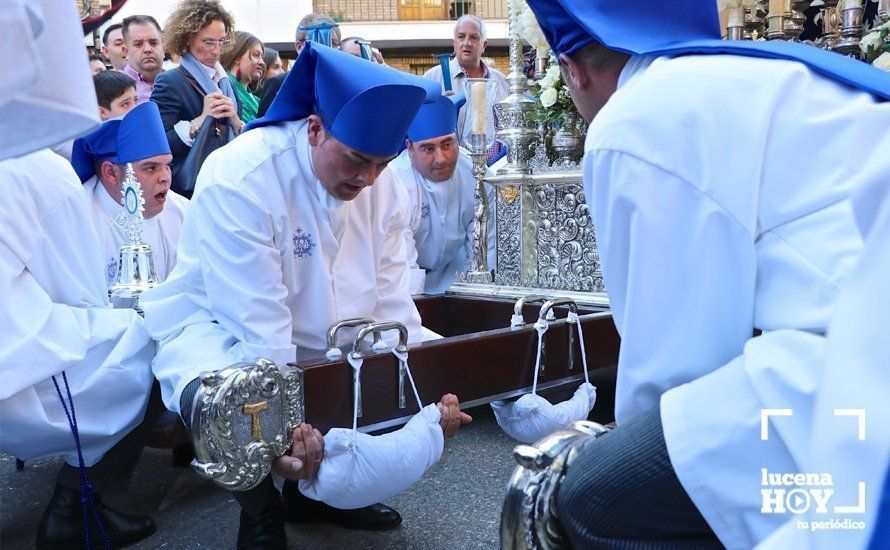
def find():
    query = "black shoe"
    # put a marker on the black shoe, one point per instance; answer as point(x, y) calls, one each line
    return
point(263, 531)
point(302, 509)
point(62, 523)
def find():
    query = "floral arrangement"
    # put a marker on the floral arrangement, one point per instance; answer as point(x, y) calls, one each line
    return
point(876, 46)
point(525, 27)
point(554, 96)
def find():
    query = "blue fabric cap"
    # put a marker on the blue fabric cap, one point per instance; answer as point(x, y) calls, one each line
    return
point(366, 106)
point(136, 136)
point(683, 27)
point(320, 33)
point(436, 119)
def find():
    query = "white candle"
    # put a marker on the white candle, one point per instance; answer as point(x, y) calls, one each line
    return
point(776, 7)
point(480, 104)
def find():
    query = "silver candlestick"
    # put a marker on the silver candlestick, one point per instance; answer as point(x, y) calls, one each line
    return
point(479, 270)
point(850, 17)
point(517, 129)
point(136, 267)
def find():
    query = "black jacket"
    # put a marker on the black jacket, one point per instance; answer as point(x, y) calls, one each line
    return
point(178, 100)
point(270, 90)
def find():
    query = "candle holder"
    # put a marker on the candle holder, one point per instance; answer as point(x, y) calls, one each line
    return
point(755, 22)
point(516, 127)
point(830, 26)
point(795, 18)
point(851, 27)
point(478, 136)
point(735, 30)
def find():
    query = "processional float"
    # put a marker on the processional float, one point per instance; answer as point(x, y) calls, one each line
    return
point(545, 261)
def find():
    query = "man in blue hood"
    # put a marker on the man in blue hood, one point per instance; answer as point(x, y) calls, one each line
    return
point(718, 174)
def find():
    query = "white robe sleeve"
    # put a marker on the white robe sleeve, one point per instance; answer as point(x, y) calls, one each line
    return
point(680, 273)
point(54, 311)
point(242, 272)
point(42, 338)
point(418, 274)
point(394, 300)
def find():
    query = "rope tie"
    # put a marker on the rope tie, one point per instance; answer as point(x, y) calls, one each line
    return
point(86, 488)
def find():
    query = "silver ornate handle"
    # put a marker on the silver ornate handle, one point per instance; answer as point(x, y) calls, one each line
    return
point(377, 329)
point(520, 304)
point(528, 517)
point(333, 351)
point(242, 419)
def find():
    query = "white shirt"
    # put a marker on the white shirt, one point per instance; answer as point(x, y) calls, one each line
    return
point(458, 74)
point(55, 317)
point(268, 260)
point(856, 378)
point(718, 211)
point(440, 237)
point(160, 232)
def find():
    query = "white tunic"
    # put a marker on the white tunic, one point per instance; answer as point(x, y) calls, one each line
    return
point(440, 239)
point(55, 316)
point(268, 260)
point(856, 378)
point(160, 232)
point(719, 190)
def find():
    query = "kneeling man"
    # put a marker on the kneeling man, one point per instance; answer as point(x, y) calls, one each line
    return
point(100, 161)
point(294, 226)
point(438, 175)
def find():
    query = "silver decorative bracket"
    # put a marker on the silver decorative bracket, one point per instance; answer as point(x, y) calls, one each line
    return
point(242, 419)
point(529, 517)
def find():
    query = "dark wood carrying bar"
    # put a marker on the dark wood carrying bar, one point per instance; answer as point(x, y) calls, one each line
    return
point(480, 359)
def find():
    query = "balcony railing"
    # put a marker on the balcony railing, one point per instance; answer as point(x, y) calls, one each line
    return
point(410, 10)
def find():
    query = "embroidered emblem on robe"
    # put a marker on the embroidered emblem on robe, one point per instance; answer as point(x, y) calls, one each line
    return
point(111, 271)
point(303, 244)
point(425, 211)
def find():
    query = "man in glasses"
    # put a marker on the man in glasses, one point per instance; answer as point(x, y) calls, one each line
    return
point(315, 27)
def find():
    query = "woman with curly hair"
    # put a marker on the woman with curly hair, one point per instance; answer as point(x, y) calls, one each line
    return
point(244, 61)
point(199, 90)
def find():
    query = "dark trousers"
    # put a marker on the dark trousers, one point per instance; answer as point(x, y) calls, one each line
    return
point(119, 463)
point(621, 492)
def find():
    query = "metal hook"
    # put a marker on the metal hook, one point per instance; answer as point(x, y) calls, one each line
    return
point(377, 329)
point(547, 312)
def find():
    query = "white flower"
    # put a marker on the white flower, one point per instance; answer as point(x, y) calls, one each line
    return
point(882, 62)
point(553, 73)
point(548, 97)
point(870, 40)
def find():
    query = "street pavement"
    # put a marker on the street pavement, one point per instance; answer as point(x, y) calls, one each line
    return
point(457, 504)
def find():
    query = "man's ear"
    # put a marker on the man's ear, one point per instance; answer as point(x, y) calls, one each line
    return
point(104, 114)
point(484, 45)
point(108, 172)
point(316, 131)
point(124, 50)
point(573, 72)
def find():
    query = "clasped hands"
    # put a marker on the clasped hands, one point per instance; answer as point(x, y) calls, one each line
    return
point(307, 444)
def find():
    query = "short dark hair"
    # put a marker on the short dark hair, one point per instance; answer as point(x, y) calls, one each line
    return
point(109, 30)
point(99, 57)
point(110, 85)
point(139, 20)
